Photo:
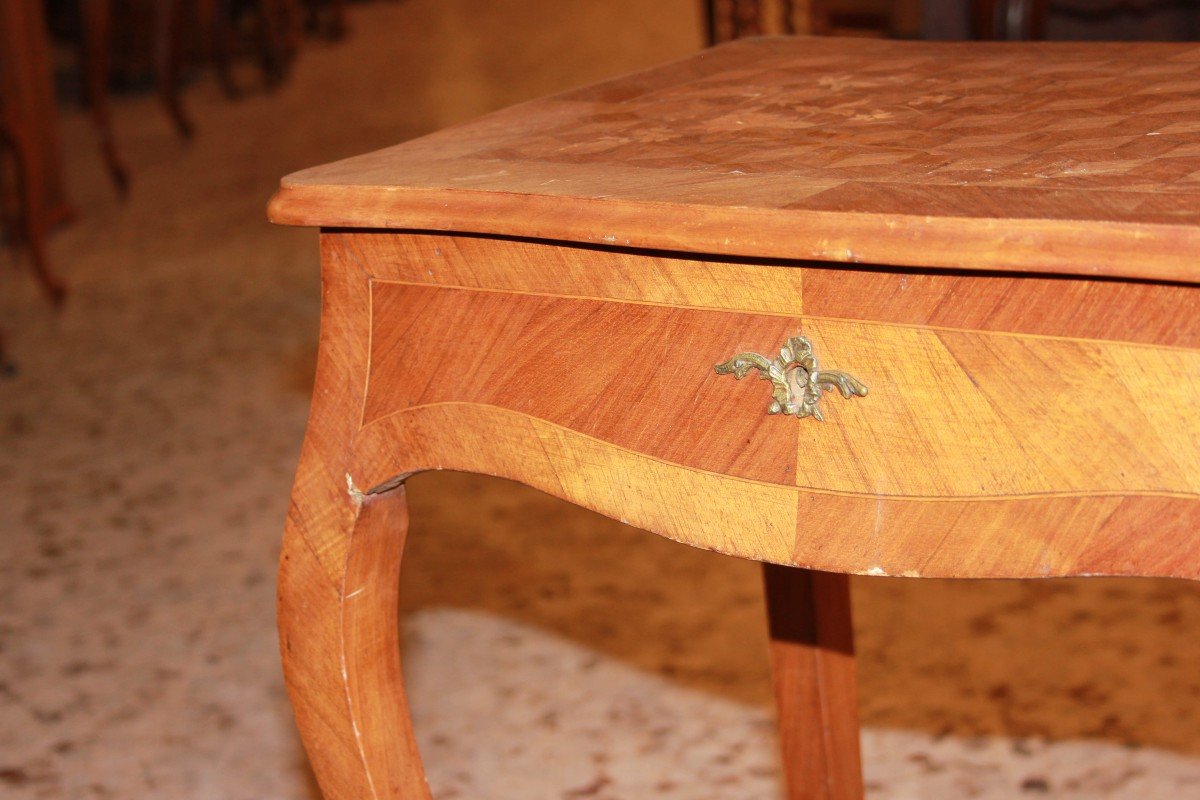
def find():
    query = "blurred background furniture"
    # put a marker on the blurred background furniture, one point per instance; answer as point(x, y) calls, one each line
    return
point(1109, 20)
point(96, 16)
point(733, 19)
point(122, 44)
point(326, 18)
point(160, 42)
point(726, 20)
point(31, 183)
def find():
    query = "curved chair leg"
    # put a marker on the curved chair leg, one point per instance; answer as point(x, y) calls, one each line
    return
point(168, 62)
point(812, 661)
point(52, 285)
point(337, 20)
point(33, 218)
point(340, 643)
point(216, 18)
point(97, 39)
point(279, 30)
point(7, 367)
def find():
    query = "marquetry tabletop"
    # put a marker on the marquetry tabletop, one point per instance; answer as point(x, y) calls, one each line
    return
point(1081, 158)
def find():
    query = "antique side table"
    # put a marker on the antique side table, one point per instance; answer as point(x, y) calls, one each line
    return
point(969, 276)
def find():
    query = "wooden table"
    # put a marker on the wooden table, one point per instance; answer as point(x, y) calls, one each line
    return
point(993, 249)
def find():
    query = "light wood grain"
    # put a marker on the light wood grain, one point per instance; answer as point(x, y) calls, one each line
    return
point(516, 266)
point(967, 414)
point(637, 376)
point(978, 452)
point(1027, 536)
point(704, 509)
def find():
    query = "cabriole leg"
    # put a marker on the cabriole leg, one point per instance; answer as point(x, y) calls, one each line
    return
point(339, 636)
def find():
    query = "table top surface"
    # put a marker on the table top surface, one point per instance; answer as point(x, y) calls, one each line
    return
point(1048, 157)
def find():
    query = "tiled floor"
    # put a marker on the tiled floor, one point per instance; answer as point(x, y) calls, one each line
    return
point(146, 450)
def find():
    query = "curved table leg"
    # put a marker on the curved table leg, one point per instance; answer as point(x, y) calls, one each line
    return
point(339, 577)
point(812, 662)
point(339, 638)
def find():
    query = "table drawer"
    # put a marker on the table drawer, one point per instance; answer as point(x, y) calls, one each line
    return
point(970, 438)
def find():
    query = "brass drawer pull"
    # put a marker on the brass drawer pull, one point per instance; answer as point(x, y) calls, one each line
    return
point(796, 376)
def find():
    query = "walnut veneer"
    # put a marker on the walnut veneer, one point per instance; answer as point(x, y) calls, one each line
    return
point(1000, 241)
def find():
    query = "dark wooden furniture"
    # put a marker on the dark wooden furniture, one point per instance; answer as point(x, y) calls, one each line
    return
point(29, 135)
point(993, 251)
point(1022, 20)
point(726, 20)
point(173, 30)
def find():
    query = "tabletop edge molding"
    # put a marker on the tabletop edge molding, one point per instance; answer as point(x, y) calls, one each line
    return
point(1113, 250)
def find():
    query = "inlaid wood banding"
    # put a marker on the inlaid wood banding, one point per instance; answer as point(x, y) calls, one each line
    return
point(1011, 452)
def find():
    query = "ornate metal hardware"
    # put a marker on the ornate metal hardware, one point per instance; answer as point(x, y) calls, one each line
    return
point(797, 379)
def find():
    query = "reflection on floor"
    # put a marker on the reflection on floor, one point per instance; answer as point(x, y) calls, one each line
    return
point(147, 446)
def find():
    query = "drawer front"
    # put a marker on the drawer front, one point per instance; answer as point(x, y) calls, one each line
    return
point(990, 442)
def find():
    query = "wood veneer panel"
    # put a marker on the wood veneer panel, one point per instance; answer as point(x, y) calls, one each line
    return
point(707, 510)
point(1136, 311)
point(950, 413)
point(988, 537)
point(971, 414)
point(1033, 537)
point(635, 375)
point(1153, 313)
point(1044, 157)
point(561, 270)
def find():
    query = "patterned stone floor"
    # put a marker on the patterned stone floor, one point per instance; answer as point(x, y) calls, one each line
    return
point(146, 449)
